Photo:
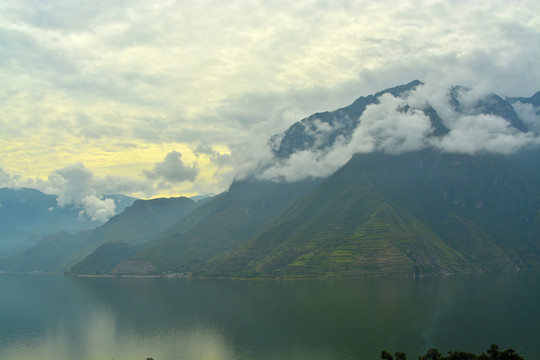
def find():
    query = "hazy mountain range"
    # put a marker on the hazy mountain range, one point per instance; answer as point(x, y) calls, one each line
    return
point(26, 215)
point(409, 181)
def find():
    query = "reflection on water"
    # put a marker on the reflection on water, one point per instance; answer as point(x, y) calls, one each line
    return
point(54, 317)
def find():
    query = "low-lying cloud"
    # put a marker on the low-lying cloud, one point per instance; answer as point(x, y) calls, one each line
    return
point(75, 187)
point(396, 125)
point(483, 133)
point(529, 115)
point(172, 169)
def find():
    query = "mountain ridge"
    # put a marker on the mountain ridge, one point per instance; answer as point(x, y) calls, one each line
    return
point(365, 200)
point(475, 214)
point(137, 224)
point(394, 209)
point(28, 214)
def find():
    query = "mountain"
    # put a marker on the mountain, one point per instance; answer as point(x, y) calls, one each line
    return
point(137, 224)
point(28, 214)
point(321, 131)
point(104, 259)
point(433, 185)
point(411, 214)
point(533, 100)
point(222, 224)
point(530, 109)
point(307, 133)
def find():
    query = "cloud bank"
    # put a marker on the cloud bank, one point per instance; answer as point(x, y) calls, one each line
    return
point(396, 125)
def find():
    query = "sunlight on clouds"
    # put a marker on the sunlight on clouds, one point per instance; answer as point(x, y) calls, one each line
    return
point(118, 86)
point(114, 160)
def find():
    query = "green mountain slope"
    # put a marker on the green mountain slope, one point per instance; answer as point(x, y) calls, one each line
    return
point(26, 215)
point(411, 214)
point(104, 259)
point(222, 224)
point(422, 212)
point(137, 224)
point(142, 221)
point(53, 253)
point(418, 213)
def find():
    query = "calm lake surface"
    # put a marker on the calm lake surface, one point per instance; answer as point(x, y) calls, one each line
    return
point(56, 317)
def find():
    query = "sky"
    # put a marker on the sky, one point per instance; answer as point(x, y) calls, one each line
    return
point(170, 98)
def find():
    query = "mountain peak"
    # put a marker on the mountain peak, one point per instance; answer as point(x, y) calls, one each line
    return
point(457, 119)
point(320, 130)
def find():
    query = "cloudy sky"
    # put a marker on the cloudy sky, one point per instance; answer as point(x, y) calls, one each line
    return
point(170, 98)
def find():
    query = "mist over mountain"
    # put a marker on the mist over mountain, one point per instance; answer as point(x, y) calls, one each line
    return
point(414, 180)
point(224, 223)
point(28, 214)
point(410, 214)
point(137, 224)
point(440, 181)
point(406, 118)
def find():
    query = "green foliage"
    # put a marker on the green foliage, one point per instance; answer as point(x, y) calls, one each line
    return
point(223, 224)
point(387, 356)
point(431, 354)
point(493, 353)
point(410, 215)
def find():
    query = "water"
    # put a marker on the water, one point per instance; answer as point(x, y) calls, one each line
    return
point(56, 317)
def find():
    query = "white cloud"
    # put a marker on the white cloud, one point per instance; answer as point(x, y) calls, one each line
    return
point(529, 114)
point(396, 125)
point(484, 133)
point(74, 186)
point(392, 127)
point(172, 169)
point(387, 126)
point(98, 208)
point(77, 186)
point(8, 180)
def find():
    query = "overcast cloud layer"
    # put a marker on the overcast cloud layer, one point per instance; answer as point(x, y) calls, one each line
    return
point(176, 97)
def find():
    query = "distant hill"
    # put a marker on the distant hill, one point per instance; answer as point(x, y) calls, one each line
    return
point(134, 226)
point(28, 214)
